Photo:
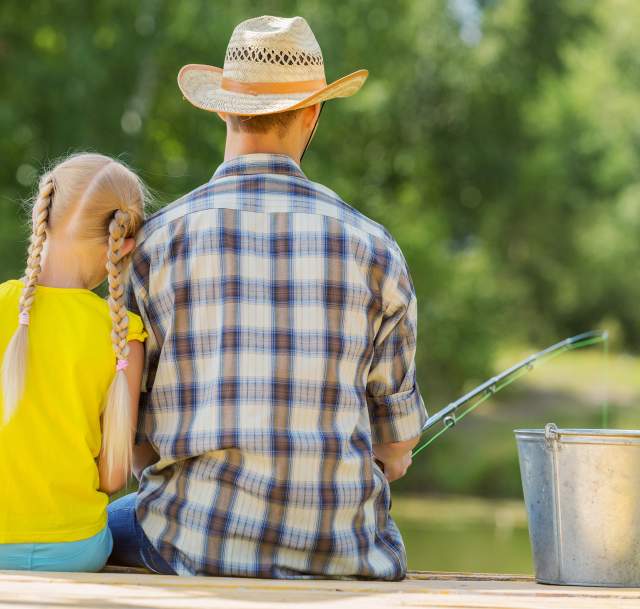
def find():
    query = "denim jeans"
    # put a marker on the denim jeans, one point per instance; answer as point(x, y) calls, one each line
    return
point(131, 548)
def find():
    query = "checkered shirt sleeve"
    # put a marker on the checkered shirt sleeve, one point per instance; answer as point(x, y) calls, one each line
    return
point(395, 404)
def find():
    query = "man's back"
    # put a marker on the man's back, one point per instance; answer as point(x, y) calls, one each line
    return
point(282, 341)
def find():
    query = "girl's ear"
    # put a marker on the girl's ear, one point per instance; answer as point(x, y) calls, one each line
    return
point(128, 245)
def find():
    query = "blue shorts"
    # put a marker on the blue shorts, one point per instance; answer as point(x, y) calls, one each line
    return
point(85, 555)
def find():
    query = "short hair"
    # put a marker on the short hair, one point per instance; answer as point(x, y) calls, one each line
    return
point(263, 123)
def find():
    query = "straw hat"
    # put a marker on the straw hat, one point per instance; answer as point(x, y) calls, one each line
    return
point(272, 65)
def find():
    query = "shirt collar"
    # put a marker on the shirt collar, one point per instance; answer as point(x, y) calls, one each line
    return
point(252, 164)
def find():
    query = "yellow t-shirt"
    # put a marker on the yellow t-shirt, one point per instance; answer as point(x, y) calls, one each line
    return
point(48, 474)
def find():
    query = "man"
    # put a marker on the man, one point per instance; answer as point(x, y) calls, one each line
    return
point(280, 376)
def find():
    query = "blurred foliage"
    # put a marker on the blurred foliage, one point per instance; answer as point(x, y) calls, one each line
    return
point(497, 139)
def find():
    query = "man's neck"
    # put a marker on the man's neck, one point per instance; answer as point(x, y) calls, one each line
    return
point(241, 144)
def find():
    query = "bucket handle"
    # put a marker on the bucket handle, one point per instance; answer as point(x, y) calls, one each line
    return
point(550, 433)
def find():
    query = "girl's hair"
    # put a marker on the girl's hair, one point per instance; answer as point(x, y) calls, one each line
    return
point(93, 198)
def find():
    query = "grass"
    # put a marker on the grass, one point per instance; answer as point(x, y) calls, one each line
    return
point(585, 375)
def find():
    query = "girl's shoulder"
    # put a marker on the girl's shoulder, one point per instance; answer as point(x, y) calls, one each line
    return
point(101, 307)
point(84, 306)
point(10, 287)
point(14, 287)
point(10, 295)
point(136, 325)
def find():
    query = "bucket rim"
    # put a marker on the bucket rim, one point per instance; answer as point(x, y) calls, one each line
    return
point(625, 433)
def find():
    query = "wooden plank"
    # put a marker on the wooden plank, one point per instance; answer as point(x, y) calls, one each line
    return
point(412, 575)
point(26, 590)
point(118, 569)
point(457, 576)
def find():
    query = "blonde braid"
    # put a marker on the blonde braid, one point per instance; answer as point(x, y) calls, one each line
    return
point(117, 432)
point(38, 236)
point(14, 365)
point(119, 317)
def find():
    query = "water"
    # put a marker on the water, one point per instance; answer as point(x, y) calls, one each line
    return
point(479, 548)
point(464, 534)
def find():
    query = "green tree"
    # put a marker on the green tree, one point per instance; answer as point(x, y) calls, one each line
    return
point(504, 162)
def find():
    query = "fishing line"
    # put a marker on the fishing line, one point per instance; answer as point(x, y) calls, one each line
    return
point(543, 357)
point(605, 403)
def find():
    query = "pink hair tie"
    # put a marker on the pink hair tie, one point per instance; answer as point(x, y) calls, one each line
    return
point(122, 364)
point(23, 318)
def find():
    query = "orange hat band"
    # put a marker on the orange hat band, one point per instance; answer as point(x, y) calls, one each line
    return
point(272, 88)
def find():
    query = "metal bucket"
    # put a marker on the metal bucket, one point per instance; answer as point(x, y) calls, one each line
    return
point(582, 492)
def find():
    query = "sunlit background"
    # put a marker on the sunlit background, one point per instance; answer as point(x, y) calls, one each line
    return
point(498, 140)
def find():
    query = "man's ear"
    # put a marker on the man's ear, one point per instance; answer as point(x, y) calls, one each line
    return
point(310, 115)
point(128, 246)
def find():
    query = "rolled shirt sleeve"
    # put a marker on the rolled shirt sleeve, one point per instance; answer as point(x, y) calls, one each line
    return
point(396, 409)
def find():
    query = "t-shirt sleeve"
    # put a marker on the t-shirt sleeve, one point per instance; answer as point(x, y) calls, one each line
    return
point(136, 329)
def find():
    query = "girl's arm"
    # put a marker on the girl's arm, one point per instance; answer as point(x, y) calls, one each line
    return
point(143, 455)
point(133, 372)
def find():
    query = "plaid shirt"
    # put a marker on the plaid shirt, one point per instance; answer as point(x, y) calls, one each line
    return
point(282, 334)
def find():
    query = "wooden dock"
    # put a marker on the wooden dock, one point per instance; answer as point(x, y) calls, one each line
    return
point(27, 590)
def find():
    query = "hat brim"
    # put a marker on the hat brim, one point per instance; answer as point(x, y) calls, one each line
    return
point(201, 85)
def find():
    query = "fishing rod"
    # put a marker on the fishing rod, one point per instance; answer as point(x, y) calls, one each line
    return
point(452, 413)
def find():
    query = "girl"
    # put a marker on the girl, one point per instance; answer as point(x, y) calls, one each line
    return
point(71, 369)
